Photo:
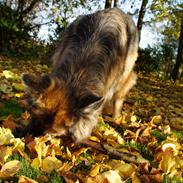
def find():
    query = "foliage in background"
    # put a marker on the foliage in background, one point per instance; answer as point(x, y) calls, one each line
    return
point(20, 22)
point(157, 59)
point(169, 13)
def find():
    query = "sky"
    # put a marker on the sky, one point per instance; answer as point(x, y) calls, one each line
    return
point(148, 35)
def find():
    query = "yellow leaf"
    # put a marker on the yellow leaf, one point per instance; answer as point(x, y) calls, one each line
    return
point(50, 163)
point(156, 120)
point(7, 74)
point(18, 86)
point(23, 179)
point(5, 136)
point(69, 155)
point(125, 170)
point(95, 170)
point(10, 169)
point(112, 176)
point(18, 144)
point(36, 163)
point(6, 151)
point(167, 162)
point(133, 119)
point(41, 148)
point(19, 95)
point(93, 138)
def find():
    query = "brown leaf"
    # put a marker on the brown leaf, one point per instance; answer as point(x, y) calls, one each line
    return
point(25, 115)
point(97, 179)
point(135, 178)
point(95, 145)
point(10, 123)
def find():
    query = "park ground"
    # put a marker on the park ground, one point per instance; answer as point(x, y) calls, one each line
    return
point(144, 145)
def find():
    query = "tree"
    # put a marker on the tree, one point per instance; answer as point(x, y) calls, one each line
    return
point(18, 22)
point(108, 4)
point(141, 16)
point(115, 3)
point(169, 13)
point(63, 12)
point(179, 59)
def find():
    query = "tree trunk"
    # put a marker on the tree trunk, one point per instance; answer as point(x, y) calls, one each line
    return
point(141, 16)
point(115, 3)
point(179, 59)
point(108, 4)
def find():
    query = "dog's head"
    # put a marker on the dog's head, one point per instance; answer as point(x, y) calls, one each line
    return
point(46, 101)
point(58, 108)
point(41, 93)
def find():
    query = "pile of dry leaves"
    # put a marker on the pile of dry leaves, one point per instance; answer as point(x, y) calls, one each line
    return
point(136, 154)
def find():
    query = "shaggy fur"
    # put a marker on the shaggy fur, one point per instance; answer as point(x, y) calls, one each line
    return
point(92, 71)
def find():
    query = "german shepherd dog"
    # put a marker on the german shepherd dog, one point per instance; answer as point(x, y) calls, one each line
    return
point(92, 72)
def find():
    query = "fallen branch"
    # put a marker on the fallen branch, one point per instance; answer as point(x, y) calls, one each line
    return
point(131, 158)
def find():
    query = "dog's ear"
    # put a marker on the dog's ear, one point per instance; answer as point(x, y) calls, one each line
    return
point(90, 101)
point(36, 83)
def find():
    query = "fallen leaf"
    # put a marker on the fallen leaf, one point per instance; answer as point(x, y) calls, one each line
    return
point(112, 176)
point(10, 168)
point(9, 123)
point(6, 151)
point(23, 179)
point(135, 178)
point(167, 162)
point(50, 163)
point(125, 170)
point(5, 136)
point(95, 170)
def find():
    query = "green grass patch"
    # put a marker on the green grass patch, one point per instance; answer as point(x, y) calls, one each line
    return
point(167, 179)
point(11, 107)
point(26, 170)
point(179, 135)
point(142, 149)
point(14, 180)
point(119, 129)
point(81, 167)
point(159, 135)
point(55, 178)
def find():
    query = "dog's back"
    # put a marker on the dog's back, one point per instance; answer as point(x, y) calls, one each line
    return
point(94, 51)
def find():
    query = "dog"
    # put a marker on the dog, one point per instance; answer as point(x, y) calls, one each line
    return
point(92, 72)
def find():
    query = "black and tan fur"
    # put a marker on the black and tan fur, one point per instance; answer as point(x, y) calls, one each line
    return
point(92, 72)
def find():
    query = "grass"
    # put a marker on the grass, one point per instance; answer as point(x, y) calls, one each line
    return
point(167, 179)
point(159, 135)
point(26, 170)
point(142, 149)
point(33, 173)
point(11, 107)
point(179, 135)
point(55, 178)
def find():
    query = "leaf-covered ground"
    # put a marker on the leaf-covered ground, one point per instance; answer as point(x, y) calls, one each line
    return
point(144, 145)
